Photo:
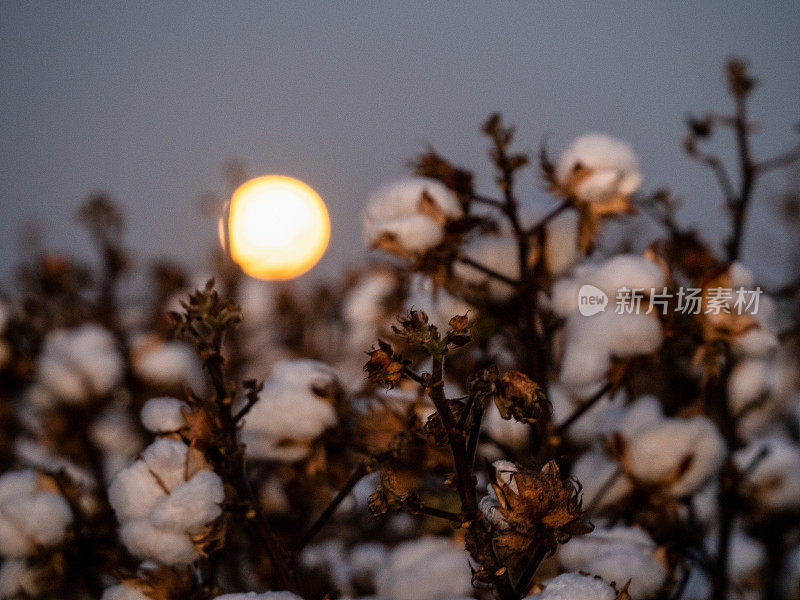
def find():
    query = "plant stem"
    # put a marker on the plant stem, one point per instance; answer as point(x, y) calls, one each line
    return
point(358, 474)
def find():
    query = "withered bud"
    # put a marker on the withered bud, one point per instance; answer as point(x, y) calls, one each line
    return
point(378, 504)
point(434, 426)
point(384, 367)
point(740, 84)
point(521, 398)
point(459, 330)
point(699, 127)
point(415, 329)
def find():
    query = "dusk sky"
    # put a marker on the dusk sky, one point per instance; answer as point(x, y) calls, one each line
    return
point(149, 100)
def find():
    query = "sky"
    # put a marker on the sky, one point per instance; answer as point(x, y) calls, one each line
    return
point(149, 100)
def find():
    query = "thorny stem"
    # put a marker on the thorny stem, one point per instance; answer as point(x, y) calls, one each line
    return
point(358, 474)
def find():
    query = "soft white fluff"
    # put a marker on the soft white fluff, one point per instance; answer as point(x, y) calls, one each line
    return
point(17, 578)
point(364, 308)
point(436, 302)
point(289, 414)
point(123, 592)
point(610, 165)
point(79, 363)
point(395, 210)
point(164, 498)
point(593, 422)
point(29, 514)
point(602, 480)
point(590, 342)
point(618, 554)
point(163, 414)
point(745, 555)
point(166, 363)
point(774, 480)
point(114, 432)
point(657, 453)
point(427, 568)
point(498, 253)
point(575, 586)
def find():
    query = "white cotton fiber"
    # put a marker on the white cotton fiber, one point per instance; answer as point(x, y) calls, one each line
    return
point(601, 478)
point(575, 586)
point(123, 592)
point(163, 414)
point(774, 480)
point(659, 453)
point(618, 554)
point(396, 209)
point(288, 409)
point(190, 505)
point(427, 568)
point(608, 167)
point(145, 540)
point(498, 253)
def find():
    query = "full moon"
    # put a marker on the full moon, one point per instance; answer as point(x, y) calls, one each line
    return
point(278, 227)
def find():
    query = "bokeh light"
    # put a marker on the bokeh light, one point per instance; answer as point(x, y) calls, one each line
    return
point(278, 227)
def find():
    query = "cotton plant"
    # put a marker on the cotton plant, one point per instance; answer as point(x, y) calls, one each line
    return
point(443, 424)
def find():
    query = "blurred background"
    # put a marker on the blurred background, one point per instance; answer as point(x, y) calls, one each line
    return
point(149, 101)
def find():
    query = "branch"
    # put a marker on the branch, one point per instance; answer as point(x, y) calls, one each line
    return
point(548, 217)
point(780, 161)
point(488, 271)
point(357, 475)
point(487, 201)
point(582, 409)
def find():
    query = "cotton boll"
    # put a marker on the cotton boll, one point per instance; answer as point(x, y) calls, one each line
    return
point(34, 454)
point(409, 213)
point(632, 335)
point(510, 433)
point(501, 255)
point(583, 366)
point(625, 270)
point(367, 559)
point(30, 515)
point(643, 413)
point(774, 480)
point(757, 342)
point(364, 309)
point(748, 381)
point(746, 556)
point(564, 296)
point(575, 586)
point(427, 568)
point(123, 592)
point(289, 409)
point(166, 363)
point(679, 453)
point(602, 480)
point(145, 540)
point(618, 554)
point(190, 505)
point(164, 502)
point(78, 363)
point(597, 167)
point(18, 579)
point(163, 414)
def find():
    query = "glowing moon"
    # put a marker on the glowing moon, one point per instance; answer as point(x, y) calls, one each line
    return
point(278, 227)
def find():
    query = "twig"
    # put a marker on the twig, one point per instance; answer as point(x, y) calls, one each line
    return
point(487, 201)
point(488, 271)
point(581, 410)
point(357, 475)
point(778, 162)
point(542, 223)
